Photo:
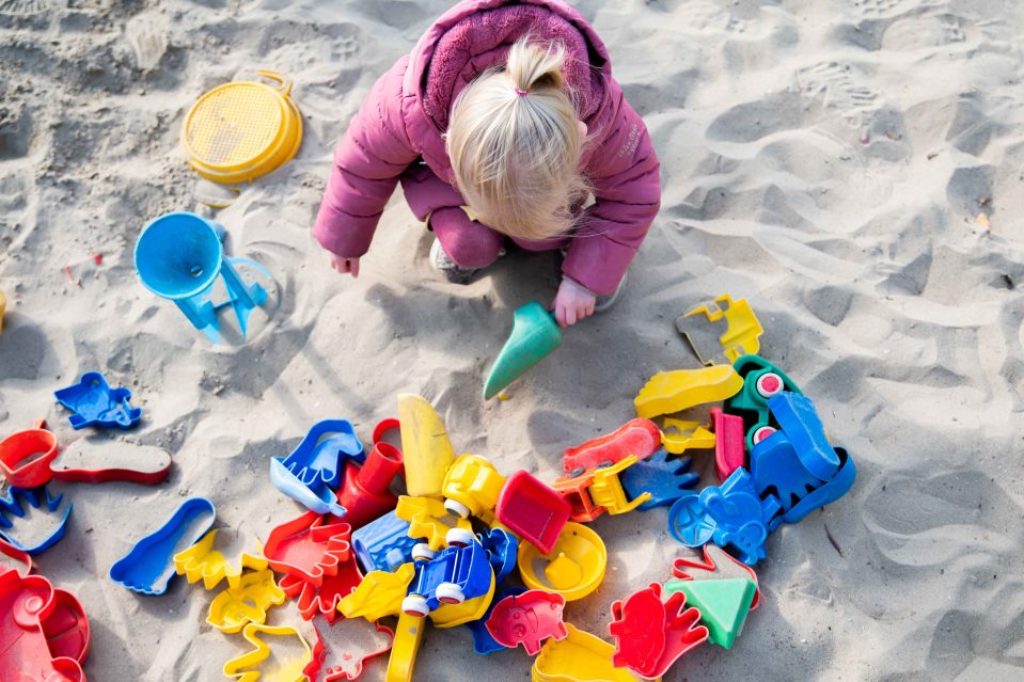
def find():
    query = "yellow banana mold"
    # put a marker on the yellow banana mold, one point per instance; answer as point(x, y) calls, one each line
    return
point(574, 568)
point(679, 435)
point(426, 451)
point(471, 487)
point(580, 657)
point(408, 637)
point(235, 607)
point(681, 389)
point(428, 519)
point(379, 594)
point(202, 561)
point(606, 489)
point(249, 667)
point(743, 330)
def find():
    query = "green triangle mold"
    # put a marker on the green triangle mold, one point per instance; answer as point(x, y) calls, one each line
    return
point(723, 605)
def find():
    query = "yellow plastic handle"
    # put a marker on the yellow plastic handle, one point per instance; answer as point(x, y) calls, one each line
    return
point(284, 84)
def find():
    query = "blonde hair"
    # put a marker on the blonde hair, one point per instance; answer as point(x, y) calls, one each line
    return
point(514, 142)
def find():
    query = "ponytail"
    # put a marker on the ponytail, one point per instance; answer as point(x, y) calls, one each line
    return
point(514, 142)
point(531, 67)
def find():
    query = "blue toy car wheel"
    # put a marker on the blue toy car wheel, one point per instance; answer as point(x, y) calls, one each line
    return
point(459, 537)
point(449, 593)
point(457, 508)
point(421, 552)
point(415, 605)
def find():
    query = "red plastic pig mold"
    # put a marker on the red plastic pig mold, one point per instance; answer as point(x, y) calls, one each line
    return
point(528, 618)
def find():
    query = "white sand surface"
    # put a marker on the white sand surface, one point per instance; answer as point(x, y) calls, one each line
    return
point(852, 167)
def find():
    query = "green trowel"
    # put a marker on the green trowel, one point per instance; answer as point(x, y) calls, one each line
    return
point(535, 335)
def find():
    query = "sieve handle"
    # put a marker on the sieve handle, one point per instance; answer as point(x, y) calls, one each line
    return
point(284, 84)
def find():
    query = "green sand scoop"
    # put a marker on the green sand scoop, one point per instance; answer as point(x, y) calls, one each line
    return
point(535, 335)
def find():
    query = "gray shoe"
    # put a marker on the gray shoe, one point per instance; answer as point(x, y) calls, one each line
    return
point(450, 269)
point(606, 302)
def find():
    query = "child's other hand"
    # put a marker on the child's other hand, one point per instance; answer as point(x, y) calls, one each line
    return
point(345, 265)
point(573, 302)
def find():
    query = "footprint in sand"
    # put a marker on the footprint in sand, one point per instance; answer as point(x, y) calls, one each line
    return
point(914, 33)
point(707, 17)
point(147, 35)
point(838, 88)
point(710, 18)
point(16, 131)
point(347, 46)
point(23, 8)
point(884, 9)
point(23, 351)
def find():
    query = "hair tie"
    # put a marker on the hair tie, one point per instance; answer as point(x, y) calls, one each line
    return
point(521, 92)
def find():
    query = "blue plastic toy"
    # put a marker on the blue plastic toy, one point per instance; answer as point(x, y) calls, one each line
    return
point(662, 475)
point(798, 419)
point(149, 566)
point(94, 402)
point(502, 549)
point(383, 544)
point(688, 521)
point(18, 502)
point(312, 472)
point(455, 575)
point(730, 515)
point(828, 492)
point(483, 643)
point(778, 473)
point(179, 256)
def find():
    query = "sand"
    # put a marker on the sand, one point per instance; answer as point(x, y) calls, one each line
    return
point(851, 167)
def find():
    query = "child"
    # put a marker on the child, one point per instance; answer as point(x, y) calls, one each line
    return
point(499, 124)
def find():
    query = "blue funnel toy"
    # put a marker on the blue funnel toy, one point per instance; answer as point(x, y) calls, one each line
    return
point(179, 256)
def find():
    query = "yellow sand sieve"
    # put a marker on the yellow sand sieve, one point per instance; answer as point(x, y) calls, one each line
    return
point(242, 130)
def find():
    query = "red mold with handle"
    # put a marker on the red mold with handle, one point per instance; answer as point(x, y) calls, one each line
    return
point(25, 457)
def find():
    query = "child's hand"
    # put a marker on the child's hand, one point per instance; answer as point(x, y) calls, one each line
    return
point(573, 302)
point(345, 265)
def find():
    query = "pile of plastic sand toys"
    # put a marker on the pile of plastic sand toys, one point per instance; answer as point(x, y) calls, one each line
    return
point(500, 553)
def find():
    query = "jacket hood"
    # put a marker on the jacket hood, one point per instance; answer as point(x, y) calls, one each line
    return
point(476, 35)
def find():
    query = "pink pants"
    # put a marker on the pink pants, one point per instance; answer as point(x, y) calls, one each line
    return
point(469, 243)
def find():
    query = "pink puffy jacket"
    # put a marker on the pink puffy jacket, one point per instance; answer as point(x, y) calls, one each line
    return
point(405, 114)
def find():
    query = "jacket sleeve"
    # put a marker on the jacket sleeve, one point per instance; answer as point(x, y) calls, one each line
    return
point(367, 163)
point(627, 195)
